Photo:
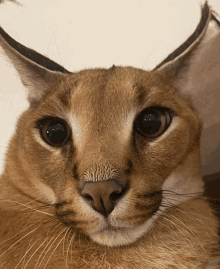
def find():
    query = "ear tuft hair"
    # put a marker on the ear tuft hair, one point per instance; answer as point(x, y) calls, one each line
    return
point(35, 70)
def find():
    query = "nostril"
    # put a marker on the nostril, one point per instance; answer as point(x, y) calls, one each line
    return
point(88, 197)
point(115, 195)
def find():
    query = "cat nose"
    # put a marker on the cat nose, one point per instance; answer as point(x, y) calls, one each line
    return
point(103, 195)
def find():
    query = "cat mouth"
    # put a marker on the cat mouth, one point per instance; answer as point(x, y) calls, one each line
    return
point(120, 235)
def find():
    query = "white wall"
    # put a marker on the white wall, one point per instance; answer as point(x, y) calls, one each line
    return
point(84, 33)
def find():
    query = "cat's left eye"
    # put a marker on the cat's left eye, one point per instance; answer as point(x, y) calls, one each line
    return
point(54, 132)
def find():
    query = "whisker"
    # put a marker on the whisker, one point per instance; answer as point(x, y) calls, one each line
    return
point(179, 228)
point(72, 238)
point(204, 196)
point(57, 245)
point(72, 245)
point(26, 252)
point(50, 245)
point(165, 226)
point(33, 210)
point(188, 229)
point(20, 240)
point(60, 225)
point(31, 226)
point(65, 257)
point(190, 195)
point(183, 194)
point(48, 221)
point(28, 207)
point(171, 231)
point(35, 253)
point(16, 206)
point(187, 213)
point(42, 253)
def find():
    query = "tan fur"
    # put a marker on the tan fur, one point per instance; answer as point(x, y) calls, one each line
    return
point(184, 237)
point(163, 220)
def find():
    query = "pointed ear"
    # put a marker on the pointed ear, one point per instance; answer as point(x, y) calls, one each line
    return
point(189, 54)
point(195, 69)
point(35, 70)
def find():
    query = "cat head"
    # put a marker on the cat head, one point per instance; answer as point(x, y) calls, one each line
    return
point(109, 147)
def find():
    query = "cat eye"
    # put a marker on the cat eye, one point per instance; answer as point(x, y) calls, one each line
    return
point(152, 122)
point(54, 132)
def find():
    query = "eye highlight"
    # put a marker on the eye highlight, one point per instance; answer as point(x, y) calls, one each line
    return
point(152, 122)
point(54, 131)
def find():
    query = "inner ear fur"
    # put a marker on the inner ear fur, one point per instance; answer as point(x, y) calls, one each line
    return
point(36, 71)
point(194, 68)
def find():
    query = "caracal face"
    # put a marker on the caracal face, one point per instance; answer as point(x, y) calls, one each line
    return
point(101, 109)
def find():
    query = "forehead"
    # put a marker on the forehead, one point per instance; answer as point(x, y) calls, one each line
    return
point(98, 97)
point(116, 92)
point(118, 89)
point(96, 94)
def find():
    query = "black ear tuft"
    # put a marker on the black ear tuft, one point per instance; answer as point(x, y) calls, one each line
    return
point(181, 49)
point(37, 72)
point(32, 55)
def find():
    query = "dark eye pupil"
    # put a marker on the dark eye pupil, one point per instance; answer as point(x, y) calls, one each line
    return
point(151, 123)
point(54, 132)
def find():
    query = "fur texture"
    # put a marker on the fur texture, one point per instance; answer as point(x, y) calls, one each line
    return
point(162, 218)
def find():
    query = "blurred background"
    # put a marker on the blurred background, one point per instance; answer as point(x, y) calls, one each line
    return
point(82, 34)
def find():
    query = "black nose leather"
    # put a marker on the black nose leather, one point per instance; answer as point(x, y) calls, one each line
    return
point(103, 195)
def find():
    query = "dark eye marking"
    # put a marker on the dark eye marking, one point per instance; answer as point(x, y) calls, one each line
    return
point(54, 131)
point(153, 122)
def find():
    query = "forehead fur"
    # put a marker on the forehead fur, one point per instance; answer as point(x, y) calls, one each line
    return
point(110, 88)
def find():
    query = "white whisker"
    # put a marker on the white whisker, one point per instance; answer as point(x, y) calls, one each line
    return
point(42, 253)
point(72, 238)
point(187, 213)
point(56, 246)
point(20, 240)
point(66, 258)
point(34, 253)
point(11, 201)
point(28, 249)
point(180, 229)
point(50, 246)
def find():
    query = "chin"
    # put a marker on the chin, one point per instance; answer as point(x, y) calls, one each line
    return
point(114, 236)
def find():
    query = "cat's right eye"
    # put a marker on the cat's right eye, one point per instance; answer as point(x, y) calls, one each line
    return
point(152, 122)
point(54, 131)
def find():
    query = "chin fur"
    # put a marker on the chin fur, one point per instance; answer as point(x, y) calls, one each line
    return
point(121, 236)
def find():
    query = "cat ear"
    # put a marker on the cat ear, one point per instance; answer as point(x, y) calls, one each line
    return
point(35, 70)
point(196, 57)
point(194, 68)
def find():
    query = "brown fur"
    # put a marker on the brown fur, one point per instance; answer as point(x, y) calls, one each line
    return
point(163, 220)
point(185, 237)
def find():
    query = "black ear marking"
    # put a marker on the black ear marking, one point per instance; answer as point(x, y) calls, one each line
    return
point(13, 1)
point(191, 39)
point(32, 55)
